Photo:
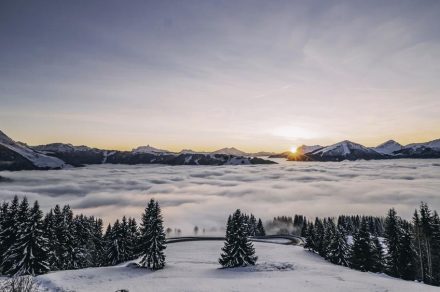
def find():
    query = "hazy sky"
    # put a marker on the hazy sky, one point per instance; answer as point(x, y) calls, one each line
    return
point(209, 74)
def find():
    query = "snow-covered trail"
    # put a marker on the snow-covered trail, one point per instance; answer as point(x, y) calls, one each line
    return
point(193, 266)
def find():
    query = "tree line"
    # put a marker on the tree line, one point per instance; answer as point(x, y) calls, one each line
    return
point(400, 248)
point(33, 244)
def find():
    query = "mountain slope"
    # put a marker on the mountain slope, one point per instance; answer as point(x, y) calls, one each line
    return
point(230, 151)
point(388, 147)
point(16, 155)
point(345, 150)
point(304, 149)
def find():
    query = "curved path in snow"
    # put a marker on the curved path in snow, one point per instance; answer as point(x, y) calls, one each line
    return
point(289, 239)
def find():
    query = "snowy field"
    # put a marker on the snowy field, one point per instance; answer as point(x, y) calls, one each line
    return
point(193, 266)
point(206, 195)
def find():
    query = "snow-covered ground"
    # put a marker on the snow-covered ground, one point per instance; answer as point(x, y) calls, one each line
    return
point(193, 266)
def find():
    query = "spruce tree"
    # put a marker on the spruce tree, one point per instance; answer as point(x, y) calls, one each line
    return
point(9, 233)
point(426, 228)
point(406, 259)
point(418, 245)
point(392, 236)
point(238, 251)
point(153, 238)
point(435, 249)
point(318, 237)
point(338, 248)
point(133, 239)
point(310, 236)
point(377, 257)
point(361, 250)
point(113, 245)
point(28, 254)
point(260, 228)
point(252, 228)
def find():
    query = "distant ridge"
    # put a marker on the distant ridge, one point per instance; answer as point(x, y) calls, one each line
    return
point(348, 150)
point(20, 156)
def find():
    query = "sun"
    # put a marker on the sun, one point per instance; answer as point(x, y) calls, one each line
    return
point(293, 149)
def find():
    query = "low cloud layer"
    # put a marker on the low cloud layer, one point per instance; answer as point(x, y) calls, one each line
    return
point(204, 195)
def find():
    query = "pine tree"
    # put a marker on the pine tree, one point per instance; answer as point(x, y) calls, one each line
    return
point(377, 258)
point(9, 233)
point(252, 228)
point(153, 237)
point(113, 247)
point(310, 236)
point(406, 263)
point(338, 248)
point(3, 232)
point(418, 242)
point(435, 247)
point(426, 228)
point(238, 251)
point(260, 228)
point(392, 235)
point(361, 249)
point(133, 239)
point(329, 230)
point(29, 253)
point(318, 237)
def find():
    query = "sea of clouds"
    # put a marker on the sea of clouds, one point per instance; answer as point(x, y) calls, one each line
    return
point(205, 195)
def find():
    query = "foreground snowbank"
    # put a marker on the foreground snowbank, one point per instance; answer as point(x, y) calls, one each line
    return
point(193, 266)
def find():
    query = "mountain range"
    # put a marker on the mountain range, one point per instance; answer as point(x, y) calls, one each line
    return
point(19, 156)
point(347, 150)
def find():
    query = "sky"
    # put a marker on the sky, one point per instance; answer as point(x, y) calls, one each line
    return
point(257, 75)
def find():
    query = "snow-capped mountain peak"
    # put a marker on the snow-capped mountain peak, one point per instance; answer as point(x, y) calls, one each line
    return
point(388, 147)
point(303, 149)
point(148, 149)
point(434, 144)
point(344, 150)
point(230, 151)
point(38, 159)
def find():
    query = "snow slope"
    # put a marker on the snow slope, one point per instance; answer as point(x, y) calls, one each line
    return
point(435, 144)
point(344, 150)
point(38, 159)
point(149, 149)
point(193, 266)
point(303, 149)
point(230, 151)
point(388, 147)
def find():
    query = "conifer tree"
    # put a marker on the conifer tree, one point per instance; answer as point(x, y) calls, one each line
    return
point(377, 256)
point(426, 228)
point(392, 236)
point(418, 245)
point(318, 237)
point(406, 264)
point(238, 251)
point(338, 248)
point(133, 239)
point(310, 236)
point(153, 237)
point(28, 254)
point(435, 247)
point(361, 249)
point(9, 233)
point(329, 230)
point(260, 228)
point(113, 244)
point(252, 228)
